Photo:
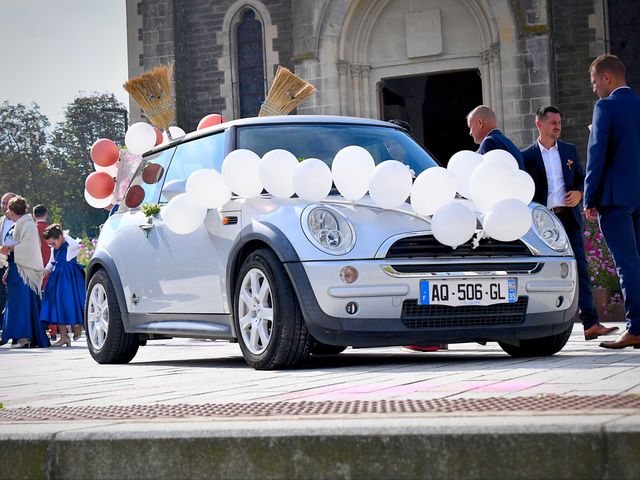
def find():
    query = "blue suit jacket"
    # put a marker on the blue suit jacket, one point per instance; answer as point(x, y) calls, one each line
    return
point(613, 154)
point(495, 140)
point(572, 172)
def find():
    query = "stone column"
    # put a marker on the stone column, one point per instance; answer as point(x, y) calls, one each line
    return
point(366, 95)
point(492, 86)
point(356, 80)
point(343, 69)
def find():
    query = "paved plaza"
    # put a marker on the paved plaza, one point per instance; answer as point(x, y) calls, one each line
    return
point(197, 410)
point(186, 371)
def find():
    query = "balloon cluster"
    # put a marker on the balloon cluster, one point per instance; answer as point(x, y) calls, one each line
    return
point(497, 191)
point(101, 190)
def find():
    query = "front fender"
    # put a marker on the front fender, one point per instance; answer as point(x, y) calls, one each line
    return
point(254, 236)
point(102, 260)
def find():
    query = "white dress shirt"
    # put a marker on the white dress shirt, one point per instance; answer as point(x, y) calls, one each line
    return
point(6, 225)
point(556, 190)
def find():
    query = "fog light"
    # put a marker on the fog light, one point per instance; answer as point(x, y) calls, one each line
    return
point(564, 270)
point(349, 274)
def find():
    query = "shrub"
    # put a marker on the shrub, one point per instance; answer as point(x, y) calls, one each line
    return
point(87, 247)
point(602, 270)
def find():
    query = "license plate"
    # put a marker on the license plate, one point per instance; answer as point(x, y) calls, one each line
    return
point(485, 291)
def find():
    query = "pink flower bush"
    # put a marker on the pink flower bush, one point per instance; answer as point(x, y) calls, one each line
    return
point(87, 247)
point(602, 270)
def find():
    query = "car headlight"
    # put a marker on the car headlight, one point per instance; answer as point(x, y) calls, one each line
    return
point(328, 229)
point(549, 229)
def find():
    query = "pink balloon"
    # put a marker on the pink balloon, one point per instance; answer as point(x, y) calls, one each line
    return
point(211, 120)
point(100, 185)
point(104, 152)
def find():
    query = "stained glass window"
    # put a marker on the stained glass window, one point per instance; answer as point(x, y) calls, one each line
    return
point(250, 64)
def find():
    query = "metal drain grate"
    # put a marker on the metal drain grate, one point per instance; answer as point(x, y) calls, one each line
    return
point(356, 407)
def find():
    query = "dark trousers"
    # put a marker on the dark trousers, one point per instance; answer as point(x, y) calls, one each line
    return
point(621, 229)
point(588, 313)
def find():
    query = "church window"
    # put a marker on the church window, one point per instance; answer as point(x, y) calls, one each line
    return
point(250, 55)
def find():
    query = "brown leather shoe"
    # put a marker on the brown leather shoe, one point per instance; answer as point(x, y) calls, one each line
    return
point(623, 341)
point(597, 330)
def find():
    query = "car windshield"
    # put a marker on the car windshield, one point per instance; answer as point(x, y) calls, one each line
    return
point(323, 141)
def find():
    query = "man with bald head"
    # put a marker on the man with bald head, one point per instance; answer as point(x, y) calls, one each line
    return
point(5, 225)
point(482, 127)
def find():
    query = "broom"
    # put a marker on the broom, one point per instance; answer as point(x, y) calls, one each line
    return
point(286, 93)
point(152, 91)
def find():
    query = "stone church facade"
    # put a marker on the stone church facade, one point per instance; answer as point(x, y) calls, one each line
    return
point(425, 61)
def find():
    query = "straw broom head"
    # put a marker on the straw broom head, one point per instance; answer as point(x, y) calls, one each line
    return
point(152, 91)
point(286, 93)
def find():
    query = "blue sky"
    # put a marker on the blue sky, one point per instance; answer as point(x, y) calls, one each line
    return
point(53, 49)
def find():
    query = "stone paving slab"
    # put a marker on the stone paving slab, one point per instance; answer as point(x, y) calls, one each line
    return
point(578, 442)
point(188, 371)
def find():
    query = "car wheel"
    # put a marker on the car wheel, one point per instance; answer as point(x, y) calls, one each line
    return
point(106, 338)
point(319, 348)
point(269, 324)
point(539, 347)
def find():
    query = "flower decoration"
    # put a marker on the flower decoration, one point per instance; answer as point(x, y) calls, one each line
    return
point(87, 248)
point(569, 164)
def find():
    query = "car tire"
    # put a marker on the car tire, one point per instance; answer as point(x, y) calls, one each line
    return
point(106, 338)
point(319, 348)
point(268, 321)
point(539, 347)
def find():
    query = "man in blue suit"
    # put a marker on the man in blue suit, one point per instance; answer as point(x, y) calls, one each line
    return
point(482, 127)
point(559, 179)
point(612, 183)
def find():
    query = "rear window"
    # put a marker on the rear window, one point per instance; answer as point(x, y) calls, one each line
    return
point(323, 141)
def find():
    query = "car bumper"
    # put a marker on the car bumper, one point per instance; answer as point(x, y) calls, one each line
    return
point(388, 312)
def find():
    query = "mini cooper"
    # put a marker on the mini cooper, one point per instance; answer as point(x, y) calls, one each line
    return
point(289, 278)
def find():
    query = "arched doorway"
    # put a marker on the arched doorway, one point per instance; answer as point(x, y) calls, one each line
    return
point(435, 105)
point(446, 50)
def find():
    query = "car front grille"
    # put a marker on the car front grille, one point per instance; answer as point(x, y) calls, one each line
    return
point(444, 316)
point(426, 246)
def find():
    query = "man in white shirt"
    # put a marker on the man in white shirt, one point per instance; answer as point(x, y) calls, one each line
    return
point(559, 178)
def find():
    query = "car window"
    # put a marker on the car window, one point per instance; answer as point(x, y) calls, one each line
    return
point(147, 181)
point(204, 152)
point(323, 141)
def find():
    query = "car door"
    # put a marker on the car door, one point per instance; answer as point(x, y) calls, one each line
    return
point(182, 273)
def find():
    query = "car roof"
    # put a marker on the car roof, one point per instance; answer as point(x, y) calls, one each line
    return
point(274, 120)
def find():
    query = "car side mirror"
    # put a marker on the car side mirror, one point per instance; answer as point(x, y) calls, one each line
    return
point(173, 188)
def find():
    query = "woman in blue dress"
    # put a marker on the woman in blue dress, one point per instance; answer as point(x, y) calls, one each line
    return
point(21, 321)
point(64, 296)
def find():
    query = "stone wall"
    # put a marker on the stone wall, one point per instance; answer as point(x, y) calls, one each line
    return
point(578, 37)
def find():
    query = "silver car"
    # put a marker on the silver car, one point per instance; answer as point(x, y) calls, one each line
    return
point(263, 272)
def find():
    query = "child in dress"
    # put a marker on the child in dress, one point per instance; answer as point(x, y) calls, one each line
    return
point(64, 297)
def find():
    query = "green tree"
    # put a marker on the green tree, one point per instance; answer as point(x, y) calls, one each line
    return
point(24, 152)
point(85, 122)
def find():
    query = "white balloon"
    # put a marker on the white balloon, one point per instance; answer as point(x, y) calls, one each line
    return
point(433, 188)
point(173, 188)
point(97, 202)
point(461, 165)
point(501, 156)
point(176, 132)
point(140, 137)
point(240, 170)
point(182, 216)
point(312, 180)
point(276, 172)
point(112, 170)
point(390, 184)
point(351, 169)
point(492, 182)
point(453, 224)
point(525, 187)
point(207, 189)
point(507, 220)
